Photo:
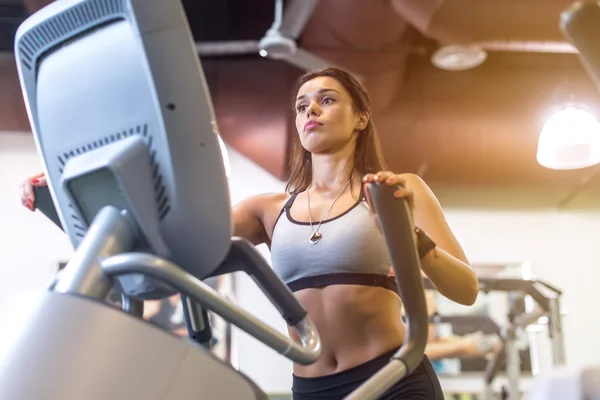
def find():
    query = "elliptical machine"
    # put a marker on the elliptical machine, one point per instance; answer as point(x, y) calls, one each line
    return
point(122, 118)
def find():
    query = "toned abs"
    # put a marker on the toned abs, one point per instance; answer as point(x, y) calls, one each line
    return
point(355, 323)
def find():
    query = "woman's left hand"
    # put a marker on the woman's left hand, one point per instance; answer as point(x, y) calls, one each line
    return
point(391, 179)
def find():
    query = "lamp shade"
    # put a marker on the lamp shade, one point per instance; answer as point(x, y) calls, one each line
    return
point(570, 139)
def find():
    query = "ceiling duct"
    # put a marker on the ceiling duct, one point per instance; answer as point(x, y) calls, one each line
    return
point(492, 25)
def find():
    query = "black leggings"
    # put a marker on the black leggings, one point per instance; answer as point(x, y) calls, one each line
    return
point(422, 384)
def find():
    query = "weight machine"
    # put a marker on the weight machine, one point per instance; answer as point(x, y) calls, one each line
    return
point(547, 305)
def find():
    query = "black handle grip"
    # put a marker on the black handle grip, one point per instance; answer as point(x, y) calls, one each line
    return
point(244, 257)
point(397, 226)
point(580, 24)
point(197, 321)
point(43, 202)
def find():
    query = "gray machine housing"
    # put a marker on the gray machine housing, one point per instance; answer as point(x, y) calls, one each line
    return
point(78, 348)
point(143, 96)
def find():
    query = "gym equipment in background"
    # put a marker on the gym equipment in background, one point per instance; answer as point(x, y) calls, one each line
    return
point(548, 305)
point(580, 24)
point(547, 298)
point(122, 118)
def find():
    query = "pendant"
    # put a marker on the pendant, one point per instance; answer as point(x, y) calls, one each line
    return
point(315, 237)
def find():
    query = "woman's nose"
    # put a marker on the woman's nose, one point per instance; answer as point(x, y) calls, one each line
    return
point(312, 110)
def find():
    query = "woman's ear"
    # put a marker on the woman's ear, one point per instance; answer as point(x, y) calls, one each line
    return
point(363, 120)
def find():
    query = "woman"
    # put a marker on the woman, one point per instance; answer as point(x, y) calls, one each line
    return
point(326, 244)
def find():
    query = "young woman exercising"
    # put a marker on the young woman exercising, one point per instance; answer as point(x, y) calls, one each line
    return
point(326, 244)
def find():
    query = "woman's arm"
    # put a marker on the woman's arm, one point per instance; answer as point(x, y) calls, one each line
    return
point(446, 266)
point(446, 349)
point(248, 218)
point(472, 345)
point(247, 214)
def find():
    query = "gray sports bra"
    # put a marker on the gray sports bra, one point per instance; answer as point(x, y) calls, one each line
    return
point(351, 251)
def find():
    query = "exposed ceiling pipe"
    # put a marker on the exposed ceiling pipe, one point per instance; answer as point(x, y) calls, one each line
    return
point(493, 25)
point(240, 47)
point(527, 47)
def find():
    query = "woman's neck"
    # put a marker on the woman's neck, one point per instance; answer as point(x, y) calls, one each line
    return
point(332, 171)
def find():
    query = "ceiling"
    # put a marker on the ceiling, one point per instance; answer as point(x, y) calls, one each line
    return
point(472, 135)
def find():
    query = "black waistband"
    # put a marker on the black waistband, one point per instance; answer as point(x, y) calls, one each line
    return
point(319, 281)
point(342, 379)
point(422, 383)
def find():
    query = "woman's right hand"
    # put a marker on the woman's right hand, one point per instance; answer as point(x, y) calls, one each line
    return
point(27, 196)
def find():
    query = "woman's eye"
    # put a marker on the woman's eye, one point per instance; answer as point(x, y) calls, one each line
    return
point(301, 108)
point(327, 100)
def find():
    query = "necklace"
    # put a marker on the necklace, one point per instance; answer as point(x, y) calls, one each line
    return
point(316, 235)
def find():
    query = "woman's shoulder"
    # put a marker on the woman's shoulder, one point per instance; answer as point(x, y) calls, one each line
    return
point(264, 202)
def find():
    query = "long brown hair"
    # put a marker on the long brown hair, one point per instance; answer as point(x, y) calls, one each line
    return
point(367, 155)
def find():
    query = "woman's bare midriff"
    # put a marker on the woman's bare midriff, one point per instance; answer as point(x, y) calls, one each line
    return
point(355, 323)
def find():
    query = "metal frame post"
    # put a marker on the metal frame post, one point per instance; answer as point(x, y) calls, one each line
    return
point(555, 332)
point(110, 233)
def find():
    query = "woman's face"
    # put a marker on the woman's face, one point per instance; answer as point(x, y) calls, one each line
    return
point(325, 119)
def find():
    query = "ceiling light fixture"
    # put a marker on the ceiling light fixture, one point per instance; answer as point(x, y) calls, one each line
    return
point(458, 57)
point(570, 139)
